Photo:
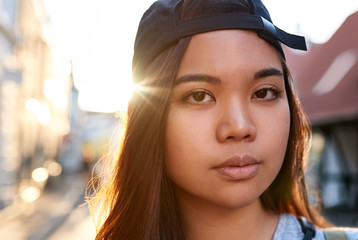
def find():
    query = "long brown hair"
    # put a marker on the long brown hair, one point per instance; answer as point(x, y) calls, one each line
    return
point(137, 200)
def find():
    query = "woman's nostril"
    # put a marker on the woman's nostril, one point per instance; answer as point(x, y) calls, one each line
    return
point(230, 138)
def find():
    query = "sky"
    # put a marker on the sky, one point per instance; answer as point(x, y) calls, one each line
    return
point(98, 35)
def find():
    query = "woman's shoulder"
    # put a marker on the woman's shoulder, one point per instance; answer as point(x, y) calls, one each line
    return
point(290, 228)
point(350, 232)
point(344, 233)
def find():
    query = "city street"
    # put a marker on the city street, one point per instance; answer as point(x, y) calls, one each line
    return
point(59, 213)
point(78, 226)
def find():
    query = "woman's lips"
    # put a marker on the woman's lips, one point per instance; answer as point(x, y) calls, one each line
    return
point(239, 168)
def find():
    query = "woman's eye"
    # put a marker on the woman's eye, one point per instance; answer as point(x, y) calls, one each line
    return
point(199, 97)
point(266, 94)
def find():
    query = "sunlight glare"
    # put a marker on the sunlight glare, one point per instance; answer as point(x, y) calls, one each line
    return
point(56, 95)
point(41, 111)
point(44, 115)
point(101, 54)
point(32, 105)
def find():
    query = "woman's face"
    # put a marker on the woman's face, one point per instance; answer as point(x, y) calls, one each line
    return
point(229, 120)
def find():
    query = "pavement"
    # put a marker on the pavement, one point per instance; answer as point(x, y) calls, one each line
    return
point(59, 210)
point(78, 225)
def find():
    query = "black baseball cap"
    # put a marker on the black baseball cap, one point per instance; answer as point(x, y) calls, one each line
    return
point(160, 28)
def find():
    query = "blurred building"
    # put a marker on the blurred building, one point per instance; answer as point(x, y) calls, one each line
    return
point(33, 101)
point(327, 82)
point(100, 137)
point(10, 80)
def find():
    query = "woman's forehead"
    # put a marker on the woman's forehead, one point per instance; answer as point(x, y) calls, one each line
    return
point(228, 50)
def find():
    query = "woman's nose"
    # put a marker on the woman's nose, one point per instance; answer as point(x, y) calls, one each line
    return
point(235, 124)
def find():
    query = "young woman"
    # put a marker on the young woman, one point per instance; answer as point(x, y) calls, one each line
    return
point(215, 137)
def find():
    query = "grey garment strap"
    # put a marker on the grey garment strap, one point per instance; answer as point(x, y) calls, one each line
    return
point(308, 228)
point(335, 234)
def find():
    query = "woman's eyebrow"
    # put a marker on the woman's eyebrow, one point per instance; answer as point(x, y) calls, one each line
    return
point(267, 72)
point(198, 78)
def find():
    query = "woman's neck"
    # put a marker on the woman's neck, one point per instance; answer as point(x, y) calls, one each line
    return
point(207, 221)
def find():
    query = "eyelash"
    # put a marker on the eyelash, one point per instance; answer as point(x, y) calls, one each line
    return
point(189, 98)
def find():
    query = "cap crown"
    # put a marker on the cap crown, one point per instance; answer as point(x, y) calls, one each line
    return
point(160, 28)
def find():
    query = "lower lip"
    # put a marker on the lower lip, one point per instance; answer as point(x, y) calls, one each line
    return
point(239, 173)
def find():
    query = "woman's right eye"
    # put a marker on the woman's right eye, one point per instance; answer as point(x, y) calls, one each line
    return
point(199, 97)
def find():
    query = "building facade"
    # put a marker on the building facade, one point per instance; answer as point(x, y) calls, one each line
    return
point(33, 102)
point(327, 82)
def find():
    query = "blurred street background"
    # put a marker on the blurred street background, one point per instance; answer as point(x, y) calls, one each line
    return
point(65, 73)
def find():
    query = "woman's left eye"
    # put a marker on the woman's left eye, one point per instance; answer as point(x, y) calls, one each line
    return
point(266, 94)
